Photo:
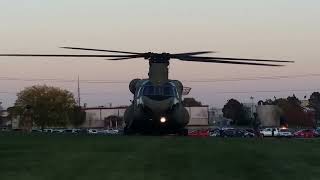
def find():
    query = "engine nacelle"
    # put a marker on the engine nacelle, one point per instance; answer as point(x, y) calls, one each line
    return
point(179, 86)
point(132, 85)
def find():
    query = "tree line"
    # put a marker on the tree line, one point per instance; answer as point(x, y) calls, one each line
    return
point(291, 109)
point(49, 106)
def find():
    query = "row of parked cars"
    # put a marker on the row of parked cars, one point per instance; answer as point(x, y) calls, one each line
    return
point(284, 132)
point(249, 133)
point(223, 132)
point(79, 131)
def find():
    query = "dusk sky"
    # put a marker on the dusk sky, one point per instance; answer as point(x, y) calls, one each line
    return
point(273, 29)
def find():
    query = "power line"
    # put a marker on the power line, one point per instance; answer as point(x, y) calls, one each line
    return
point(258, 78)
point(268, 91)
point(6, 92)
point(191, 81)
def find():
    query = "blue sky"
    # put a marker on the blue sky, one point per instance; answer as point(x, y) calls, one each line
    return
point(273, 29)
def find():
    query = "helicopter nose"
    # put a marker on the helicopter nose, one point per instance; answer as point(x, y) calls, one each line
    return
point(157, 107)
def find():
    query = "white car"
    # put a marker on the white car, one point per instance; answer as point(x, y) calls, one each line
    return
point(73, 131)
point(58, 131)
point(111, 131)
point(285, 133)
point(93, 131)
point(269, 132)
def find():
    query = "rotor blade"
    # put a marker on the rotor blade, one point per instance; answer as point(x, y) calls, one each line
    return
point(126, 58)
point(102, 50)
point(232, 59)
point(193, 53)
point(64, 55)
point(228, 62)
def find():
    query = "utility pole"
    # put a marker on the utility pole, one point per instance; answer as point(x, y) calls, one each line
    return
point(252, 106)
point(79, 99)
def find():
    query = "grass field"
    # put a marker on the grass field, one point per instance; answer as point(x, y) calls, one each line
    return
point(34, 157)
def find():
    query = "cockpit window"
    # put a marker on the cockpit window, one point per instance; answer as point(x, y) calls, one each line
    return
point(168, 91)
point(158, 91)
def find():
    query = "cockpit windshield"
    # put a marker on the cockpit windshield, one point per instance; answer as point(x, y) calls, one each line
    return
point(165, 91)
point(158, 91)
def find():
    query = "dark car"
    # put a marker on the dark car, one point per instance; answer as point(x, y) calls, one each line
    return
point(249, 133)
point(233, 133)
point(214, 132)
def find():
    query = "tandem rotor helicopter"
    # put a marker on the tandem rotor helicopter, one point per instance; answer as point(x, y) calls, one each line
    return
point(157, 101)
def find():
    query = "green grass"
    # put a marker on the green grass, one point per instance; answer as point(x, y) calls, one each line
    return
point(28, 157)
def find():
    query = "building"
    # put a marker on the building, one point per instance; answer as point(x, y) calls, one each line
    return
point(250, 109)
point(112, 117)
point(4, 121)
point(269, 115)
point(216, 118)
point(199, 115)
point(104, 117)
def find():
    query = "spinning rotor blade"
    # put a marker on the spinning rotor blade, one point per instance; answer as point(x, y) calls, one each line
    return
point(126, 58)
point(194, 59)
point(102, 50)
point(193, 53)
point(65, 55)
point(229, 59)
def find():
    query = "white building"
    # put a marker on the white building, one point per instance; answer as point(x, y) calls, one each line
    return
point(199, 116)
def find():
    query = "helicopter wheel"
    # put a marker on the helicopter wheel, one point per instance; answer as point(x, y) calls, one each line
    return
point(128, 131)
point(183, 132)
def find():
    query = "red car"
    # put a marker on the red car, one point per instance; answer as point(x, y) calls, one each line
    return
point(199, 133)
point(306, 133)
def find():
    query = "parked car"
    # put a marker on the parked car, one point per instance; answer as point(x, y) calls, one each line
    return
point(285, 133)
point(231, 132)
point(47, 130)
point(198, 133)
point(111, 131)
point(93, 131)
point(306, 133)
point(72, 131)
point(36, 130)
point(214, 132)
point(249, 133)
point(250, 130)
point(269, 132)
point(4, 129)
point(58, 131)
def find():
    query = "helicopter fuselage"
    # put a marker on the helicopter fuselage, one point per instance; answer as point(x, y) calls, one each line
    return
point(156, 108)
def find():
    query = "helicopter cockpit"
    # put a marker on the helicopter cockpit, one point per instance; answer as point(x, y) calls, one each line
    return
point(161, 92)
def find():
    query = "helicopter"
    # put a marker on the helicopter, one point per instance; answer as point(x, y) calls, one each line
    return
point(157, 100)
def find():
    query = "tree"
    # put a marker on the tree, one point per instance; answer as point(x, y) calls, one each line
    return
point(77, 116)
point(235, 110)
point(51, 106)
point(314, 102)
point(189, 102)
point(1, 110)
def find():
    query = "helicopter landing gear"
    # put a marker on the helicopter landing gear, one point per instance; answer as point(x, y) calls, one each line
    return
point(183, 132)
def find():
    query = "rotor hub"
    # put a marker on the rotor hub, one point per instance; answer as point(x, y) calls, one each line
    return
point(157, 57)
